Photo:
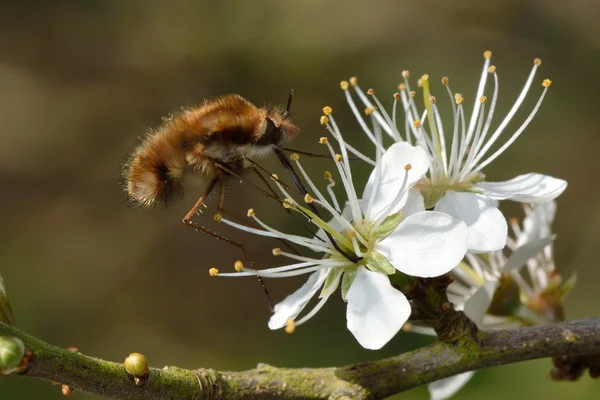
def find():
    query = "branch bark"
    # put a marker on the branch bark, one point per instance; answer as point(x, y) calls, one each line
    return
point(372, 380)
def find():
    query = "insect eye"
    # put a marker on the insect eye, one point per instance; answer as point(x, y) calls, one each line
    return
point(271, 133)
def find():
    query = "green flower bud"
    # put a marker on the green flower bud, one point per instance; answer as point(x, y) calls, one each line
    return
point(136, 365)
point(12, 351)
point(6, 314)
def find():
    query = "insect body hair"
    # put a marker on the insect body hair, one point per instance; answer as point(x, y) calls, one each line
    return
point(191, 147)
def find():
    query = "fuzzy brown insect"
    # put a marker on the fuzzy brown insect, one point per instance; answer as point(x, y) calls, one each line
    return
point(203, 145)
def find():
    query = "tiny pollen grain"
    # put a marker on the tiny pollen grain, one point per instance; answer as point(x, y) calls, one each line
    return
point(371, 92)
point(213, 271)
point(405, 73)
point(458, 98)
point(276, 251)
point(308, 198)
point(353, 81)
point(327, 175)
point(483, 99)
point(445, 81)
point(546, 83)
point(369, 110)
point(238, 265)
point(324, 120)
point(537, 62)
point(344, 85)
point(417, 123)
point(217, 217)
point(408, 167)
point(487, 54)
point(338, 157)
point(396, 96)
point(492, 69)
point(251, 212)
point(327, 110)
point(294, 157)
point(290, 326)
point(323, 140)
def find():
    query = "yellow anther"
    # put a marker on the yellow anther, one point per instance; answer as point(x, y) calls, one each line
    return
point(402, 87)
point(308, 198)
point(432, 99)
point(213, 271)
point(217, 217)
point(238, 265)
point(290, 326)
point(371, 92)
point(344, 85)
point(407, 327)
point(492, 69)
point(251, 212)
point(324, 120)
point(276, 251)
point(445, 81)
point(294, 157)
point(369, 110)
point(323, 140)
point(327, 110)
point(405, 73)
point(408, 167)
point(513, 221)
point(338, 157)
point(327, 175)
point(417, 123)
point(537, 62)
point(275, 177)
point(420, 83)
point(397, 96)
point(353, 81)
point(287, 203)
point(546, 83)
point(487, 54)
point(483, 99)
point(458, 98)
point(413, 93)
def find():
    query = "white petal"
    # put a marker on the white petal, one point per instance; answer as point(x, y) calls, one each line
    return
point(528, 188)
point(392, 176)
point(538, 223)
point(376, 311)
point(426, 244)
point(414, 204)
point(523, 253)
point(293, 305)
point(488, 230)
point(479, 302)
point(445, 388)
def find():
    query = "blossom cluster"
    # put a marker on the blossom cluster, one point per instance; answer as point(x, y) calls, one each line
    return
point(426, 210)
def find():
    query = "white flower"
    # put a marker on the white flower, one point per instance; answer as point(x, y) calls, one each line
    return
point(496, 291)
point(386, 231)
point(455, 183)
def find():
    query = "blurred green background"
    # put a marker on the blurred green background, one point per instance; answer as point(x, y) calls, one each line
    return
point(81, 81)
